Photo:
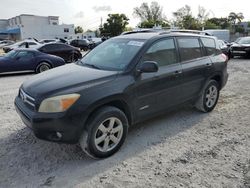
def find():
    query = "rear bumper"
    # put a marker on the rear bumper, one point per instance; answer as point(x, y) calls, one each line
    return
point(48, 126)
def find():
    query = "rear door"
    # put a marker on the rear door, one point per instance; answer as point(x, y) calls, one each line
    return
point(160, 90)
point(195, 66)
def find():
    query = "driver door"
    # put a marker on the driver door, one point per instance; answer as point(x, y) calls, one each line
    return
point(158, 91)
point(23, 61)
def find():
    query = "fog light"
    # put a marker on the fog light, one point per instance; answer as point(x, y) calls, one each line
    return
point(59, 135)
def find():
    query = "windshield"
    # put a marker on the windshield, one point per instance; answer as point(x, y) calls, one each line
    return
point(11, 54)
point(113, 54)
point(244, 40)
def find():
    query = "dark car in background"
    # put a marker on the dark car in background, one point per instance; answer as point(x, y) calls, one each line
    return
point(225, 48)
point(65, 51)
point(43, 41)
point(83, 44)
point(23, 60)
point(241, 47)
point(123, 81)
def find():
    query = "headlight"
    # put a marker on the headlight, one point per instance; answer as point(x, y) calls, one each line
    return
point(58, 103)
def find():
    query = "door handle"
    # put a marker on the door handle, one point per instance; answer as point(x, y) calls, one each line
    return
point(177, 72)
point(209, 64)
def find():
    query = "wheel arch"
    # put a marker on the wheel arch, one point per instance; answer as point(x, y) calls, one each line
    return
point(117, 102)
point(43, 61)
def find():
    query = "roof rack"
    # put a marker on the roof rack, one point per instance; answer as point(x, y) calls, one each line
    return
point(142, 31)
point(190, 31)
point(162, 31)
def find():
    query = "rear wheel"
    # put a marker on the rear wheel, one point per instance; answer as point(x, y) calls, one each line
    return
point(42, 67)
point(73, 58)
point(209, 97)
point(105, 134)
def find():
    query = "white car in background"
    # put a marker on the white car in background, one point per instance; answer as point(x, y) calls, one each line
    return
point(6, 43)
point(21, 44)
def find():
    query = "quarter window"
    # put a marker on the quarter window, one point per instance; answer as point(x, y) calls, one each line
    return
point(209, 45)
point(189, 48)
point(163, 52)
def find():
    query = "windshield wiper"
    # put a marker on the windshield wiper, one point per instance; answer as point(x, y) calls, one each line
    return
point(91, 65)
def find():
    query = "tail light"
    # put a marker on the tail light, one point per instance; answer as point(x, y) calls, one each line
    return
point(225, 58)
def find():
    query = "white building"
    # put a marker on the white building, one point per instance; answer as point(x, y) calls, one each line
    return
point(31, 26)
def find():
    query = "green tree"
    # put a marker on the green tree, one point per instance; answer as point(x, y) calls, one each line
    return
point(221, 23)
point(78, 29)
point(115, 25)
point(211, 25)
point(151, 15)
point(184, 19)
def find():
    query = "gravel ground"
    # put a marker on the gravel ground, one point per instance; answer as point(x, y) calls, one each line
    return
point(184, 148)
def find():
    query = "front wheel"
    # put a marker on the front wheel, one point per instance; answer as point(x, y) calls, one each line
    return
point(209, 97)
point(42, 67)
point(106, 132)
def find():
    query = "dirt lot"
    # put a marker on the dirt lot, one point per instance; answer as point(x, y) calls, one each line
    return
point(184, 148)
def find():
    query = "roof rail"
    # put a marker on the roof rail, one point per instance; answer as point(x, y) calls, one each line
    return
point(190, 31)
point(142, 31)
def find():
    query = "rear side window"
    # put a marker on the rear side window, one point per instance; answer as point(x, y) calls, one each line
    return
point(163, 52)
point(189, 48)
point(209, 45)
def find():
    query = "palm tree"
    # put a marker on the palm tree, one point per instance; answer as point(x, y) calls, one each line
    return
point(233, 17)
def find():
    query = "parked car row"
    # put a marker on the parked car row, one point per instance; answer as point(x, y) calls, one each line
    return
point(23, 60)
point(38, 57)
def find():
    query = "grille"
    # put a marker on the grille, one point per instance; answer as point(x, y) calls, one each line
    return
point(27, 99)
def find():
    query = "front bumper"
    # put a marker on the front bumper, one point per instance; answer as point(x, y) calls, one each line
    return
point(48, 126)
point(240, 52)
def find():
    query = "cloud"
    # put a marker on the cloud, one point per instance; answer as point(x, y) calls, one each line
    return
point(79, 14)
point(102, 8)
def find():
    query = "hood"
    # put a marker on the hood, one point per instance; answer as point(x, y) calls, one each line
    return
point(240, 45)
point(67, 77)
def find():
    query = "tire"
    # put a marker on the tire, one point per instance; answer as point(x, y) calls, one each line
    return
point(43, 67)
point(85, 48)
point(209, 97)
point(73, 58)
point(101, 139)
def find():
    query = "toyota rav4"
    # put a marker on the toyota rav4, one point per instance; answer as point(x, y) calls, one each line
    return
point(123, 81)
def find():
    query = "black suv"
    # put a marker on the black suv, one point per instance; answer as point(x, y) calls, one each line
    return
point(83, 44)
point(123, 81)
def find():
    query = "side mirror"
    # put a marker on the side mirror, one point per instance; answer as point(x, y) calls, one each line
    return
point(148, 66)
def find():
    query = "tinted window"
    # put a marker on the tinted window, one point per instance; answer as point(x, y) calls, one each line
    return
point(61, 46)
point(189, 48)
point(244, 40)
point(209, 45)
point(32, 43)
point(24, 55)
point(163, 52)
point(47, 48)
point(82, 42)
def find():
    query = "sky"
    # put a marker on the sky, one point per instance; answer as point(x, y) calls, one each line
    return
point(88, 14)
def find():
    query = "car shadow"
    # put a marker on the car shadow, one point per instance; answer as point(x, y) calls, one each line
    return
point(27, 160)
point(2, 75)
